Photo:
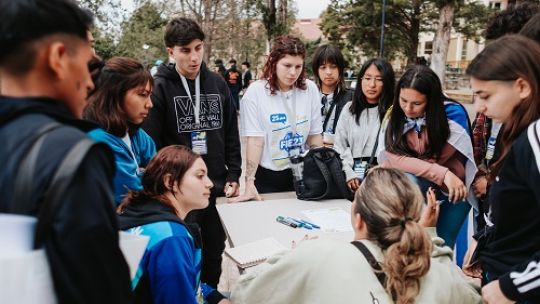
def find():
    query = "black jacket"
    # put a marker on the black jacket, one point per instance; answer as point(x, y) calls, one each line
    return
point(511, 250)
point(85, 259)
point(171, 121)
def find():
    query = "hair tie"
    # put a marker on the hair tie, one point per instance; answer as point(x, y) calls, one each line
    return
point(295, 49)
point(404, 221)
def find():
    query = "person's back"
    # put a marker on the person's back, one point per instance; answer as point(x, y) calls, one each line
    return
point(48, 85)
point(391, 259)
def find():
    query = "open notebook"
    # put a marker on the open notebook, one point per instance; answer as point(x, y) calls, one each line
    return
point(254, 253)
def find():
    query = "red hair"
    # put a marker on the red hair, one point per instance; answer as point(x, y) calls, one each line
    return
point(282, 46)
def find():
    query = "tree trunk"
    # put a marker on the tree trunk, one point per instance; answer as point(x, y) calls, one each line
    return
point(442, 40)
point(271, 5)
point(414, 32)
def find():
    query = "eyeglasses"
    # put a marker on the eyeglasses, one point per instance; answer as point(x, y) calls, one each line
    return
point(377, 80)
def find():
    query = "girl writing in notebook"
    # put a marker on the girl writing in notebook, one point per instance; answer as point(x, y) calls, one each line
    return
point(408, 267)
point(175, 182)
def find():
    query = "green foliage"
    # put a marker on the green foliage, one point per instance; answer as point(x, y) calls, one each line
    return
point(356, 25)
point(145, 27)
point(311, 46)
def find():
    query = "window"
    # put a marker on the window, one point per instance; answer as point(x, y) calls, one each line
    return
point(464, 49)
point(428, 47)
point(495, 4)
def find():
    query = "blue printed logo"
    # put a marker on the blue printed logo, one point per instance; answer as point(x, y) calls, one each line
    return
point(290, 141)
point(277, 118)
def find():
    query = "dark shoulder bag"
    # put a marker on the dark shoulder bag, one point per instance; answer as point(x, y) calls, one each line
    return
point(323, 176)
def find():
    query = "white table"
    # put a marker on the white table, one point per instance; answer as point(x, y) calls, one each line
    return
point(252, 221)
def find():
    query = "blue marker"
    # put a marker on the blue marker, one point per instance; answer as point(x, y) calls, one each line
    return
point(311, 224)
point(300, 223)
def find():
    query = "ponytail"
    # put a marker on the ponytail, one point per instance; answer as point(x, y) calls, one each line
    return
point(406, 261)
point(390, 205)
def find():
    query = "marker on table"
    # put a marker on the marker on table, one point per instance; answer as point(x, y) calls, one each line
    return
point(284, 221)
point(311, 224)
point(300, 223)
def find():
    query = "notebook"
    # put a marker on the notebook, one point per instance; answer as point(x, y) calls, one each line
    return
point(254, 253)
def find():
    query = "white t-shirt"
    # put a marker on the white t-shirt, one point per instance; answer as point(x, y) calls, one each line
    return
point(267, 116)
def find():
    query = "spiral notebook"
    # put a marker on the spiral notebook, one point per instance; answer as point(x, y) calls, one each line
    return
point(254, 253)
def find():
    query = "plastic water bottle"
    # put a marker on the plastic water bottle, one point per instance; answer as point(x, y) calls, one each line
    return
point(297, 167)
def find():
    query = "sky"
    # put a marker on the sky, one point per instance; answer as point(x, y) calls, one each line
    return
point(306, 8)
point(311, 8)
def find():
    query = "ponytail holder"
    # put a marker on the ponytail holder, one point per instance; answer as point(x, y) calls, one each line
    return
point(404, 221)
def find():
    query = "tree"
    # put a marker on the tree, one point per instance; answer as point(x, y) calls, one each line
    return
point(142, 35)
point(277, 20)
point(359, 23)
point(469, 17)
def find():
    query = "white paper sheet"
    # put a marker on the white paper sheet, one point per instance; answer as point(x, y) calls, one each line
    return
point(330, 220)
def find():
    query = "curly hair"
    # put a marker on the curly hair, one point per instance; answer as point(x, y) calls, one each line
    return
point(390, 204)
point(511, 20)
point(282, 46)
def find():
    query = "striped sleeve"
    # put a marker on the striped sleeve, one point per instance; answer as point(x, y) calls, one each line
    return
point(523, 282)
point(533, 133)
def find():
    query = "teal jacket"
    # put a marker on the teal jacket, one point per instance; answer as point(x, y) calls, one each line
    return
point(128, 166)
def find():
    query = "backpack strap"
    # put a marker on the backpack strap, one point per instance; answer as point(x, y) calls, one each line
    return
point(372, 157)
point(25, 176)
point(63, 177)
point(327, 117)
point(381, 276)
point(337, 171)
point(331, 171)
point(325, 172)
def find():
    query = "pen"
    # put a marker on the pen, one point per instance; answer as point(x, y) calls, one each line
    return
point(285, 221)
point(311, 224)
point(300, 223)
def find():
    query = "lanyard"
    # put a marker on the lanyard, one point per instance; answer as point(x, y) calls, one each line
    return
point(490, 149)
point(197, 108)
point(290, 113)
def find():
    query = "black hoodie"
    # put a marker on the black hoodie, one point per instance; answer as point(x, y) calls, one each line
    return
point(171, 121)
point(82, 247)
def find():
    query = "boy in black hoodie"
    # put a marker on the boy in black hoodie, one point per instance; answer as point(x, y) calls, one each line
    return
point(193, 107)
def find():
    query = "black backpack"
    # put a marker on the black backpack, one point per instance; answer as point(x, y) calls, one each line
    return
point(323, 176)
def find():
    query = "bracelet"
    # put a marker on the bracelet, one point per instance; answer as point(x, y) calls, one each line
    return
point(250, 178)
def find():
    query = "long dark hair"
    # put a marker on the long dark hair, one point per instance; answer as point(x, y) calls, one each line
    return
point(422, 79)
point(282, 46)
point(359, 101)
point(507, 59)
point(113, 79)
point(329, 54)
point(174, 160)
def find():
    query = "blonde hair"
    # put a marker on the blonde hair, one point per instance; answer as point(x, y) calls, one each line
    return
point(390, 205)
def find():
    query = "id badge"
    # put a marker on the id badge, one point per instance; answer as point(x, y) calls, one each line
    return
point(360, 168)
point(198, 142)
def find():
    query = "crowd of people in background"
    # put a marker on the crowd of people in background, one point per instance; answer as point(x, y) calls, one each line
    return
point(166, 144)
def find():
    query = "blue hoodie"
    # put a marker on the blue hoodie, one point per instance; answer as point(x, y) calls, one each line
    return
point(169, 271)
point(128, 173)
